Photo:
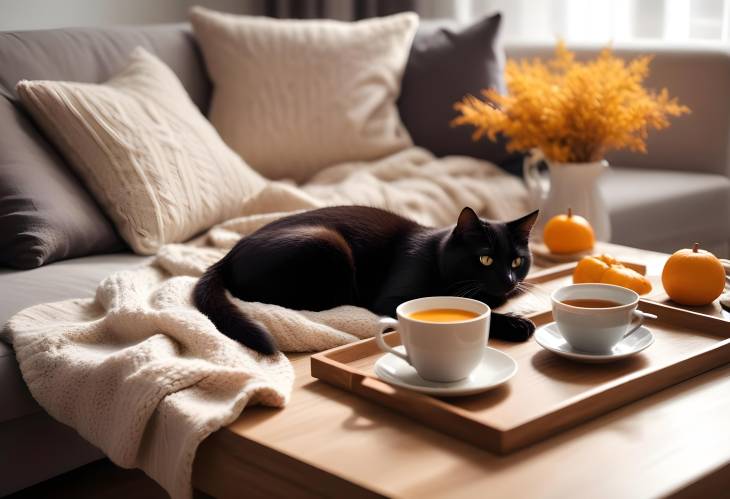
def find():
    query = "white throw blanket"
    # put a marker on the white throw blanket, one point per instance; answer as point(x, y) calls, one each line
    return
point(144, 376)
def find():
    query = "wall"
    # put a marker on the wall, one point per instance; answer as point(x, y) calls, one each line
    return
point(43, 14)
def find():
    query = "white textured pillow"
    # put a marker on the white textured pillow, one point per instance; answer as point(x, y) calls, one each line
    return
point(148, 156)
point(293, 97)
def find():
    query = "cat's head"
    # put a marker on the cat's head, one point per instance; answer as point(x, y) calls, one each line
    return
point(484, 259)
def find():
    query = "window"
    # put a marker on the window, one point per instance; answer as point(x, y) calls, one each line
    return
point(675, 21)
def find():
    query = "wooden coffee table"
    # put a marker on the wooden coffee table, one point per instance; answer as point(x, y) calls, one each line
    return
point(328, 442)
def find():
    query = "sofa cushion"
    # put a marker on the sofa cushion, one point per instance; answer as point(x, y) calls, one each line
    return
point(45, 213)
point(15, 399)
point(293, 97)
point(149, 157)
point(75, 278)
point(444, 66)
point(666, 210)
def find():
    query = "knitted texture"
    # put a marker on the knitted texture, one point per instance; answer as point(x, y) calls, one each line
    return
point(151, 160)
point(295, 96)
point(144, 376)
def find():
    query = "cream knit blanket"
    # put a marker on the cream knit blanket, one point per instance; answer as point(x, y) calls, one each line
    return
point(144, 376)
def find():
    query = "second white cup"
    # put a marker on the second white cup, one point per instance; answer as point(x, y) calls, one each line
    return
point(596, 330)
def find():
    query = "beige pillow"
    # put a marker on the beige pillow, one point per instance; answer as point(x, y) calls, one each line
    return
point(292, 96)
point(146, 153)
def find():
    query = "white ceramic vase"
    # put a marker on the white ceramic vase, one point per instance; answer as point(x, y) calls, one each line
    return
point(570, 185)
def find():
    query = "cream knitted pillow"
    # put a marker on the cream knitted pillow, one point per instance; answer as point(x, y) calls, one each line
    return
point(292, 96)
point(148, 156)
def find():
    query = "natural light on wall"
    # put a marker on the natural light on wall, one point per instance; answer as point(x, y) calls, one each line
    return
point(675, 21)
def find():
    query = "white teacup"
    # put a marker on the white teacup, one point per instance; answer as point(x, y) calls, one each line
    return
point(597, 330)
point(439, 351)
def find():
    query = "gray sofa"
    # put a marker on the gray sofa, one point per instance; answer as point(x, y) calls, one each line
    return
point(677, 194)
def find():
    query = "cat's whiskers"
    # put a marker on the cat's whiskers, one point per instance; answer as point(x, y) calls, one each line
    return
point(466, 288)
point(472, 288)
point(460, 286)
point(477, 291)
point(527, 288)
point(532, 286)
point(466, 292)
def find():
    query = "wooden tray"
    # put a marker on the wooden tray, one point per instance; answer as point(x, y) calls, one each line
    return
point(549, 393)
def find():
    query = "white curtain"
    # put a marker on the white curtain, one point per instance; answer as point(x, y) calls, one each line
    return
point(676, 21)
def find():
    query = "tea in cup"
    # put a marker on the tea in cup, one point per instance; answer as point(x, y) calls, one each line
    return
point(593, 318)
point(444, 336)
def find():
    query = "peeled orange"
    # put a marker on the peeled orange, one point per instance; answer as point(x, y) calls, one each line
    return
point(607, 270)
point(589, 269)
point(626, 277)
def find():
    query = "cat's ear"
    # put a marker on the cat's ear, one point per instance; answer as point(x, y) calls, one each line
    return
point(468, 221)
point(522, 226)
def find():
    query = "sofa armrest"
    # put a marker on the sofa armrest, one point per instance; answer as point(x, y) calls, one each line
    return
point(700, 78)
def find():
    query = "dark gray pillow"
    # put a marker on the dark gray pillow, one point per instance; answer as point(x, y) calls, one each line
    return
point(443, 66)
point(46, 214)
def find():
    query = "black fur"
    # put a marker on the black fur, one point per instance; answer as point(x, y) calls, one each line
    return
point(354, 255)
point(210, 298)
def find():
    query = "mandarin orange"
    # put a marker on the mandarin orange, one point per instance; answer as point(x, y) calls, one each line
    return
point(568, 233)
point(693, 276)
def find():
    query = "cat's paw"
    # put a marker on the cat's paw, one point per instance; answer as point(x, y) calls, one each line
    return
point(511, 327)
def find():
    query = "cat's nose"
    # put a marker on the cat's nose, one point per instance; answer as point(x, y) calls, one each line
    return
point(510, 282)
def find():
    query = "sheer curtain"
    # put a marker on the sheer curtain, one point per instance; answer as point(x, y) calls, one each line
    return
point(676, 21)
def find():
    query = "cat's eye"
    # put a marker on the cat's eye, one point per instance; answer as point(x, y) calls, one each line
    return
point(517, 262)
point(486, 260)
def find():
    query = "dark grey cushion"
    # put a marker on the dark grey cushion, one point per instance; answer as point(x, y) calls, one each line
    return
point(46, 214)
point(443, 66)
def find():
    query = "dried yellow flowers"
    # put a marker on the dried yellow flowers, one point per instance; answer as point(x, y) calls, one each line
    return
point(571, 111)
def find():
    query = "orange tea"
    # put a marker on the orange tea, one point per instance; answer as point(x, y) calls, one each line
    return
point(591, 303)
point(443, 315)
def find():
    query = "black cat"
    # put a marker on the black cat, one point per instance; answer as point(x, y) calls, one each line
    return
point(354, 255)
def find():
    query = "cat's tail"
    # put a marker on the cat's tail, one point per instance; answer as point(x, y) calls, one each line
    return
point(209, 296)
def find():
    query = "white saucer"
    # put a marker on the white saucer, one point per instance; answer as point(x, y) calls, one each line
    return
point(495, 369)
point(549, 337)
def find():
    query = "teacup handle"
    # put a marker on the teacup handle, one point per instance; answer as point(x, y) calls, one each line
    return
point(388, 324)
point(638, 314)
